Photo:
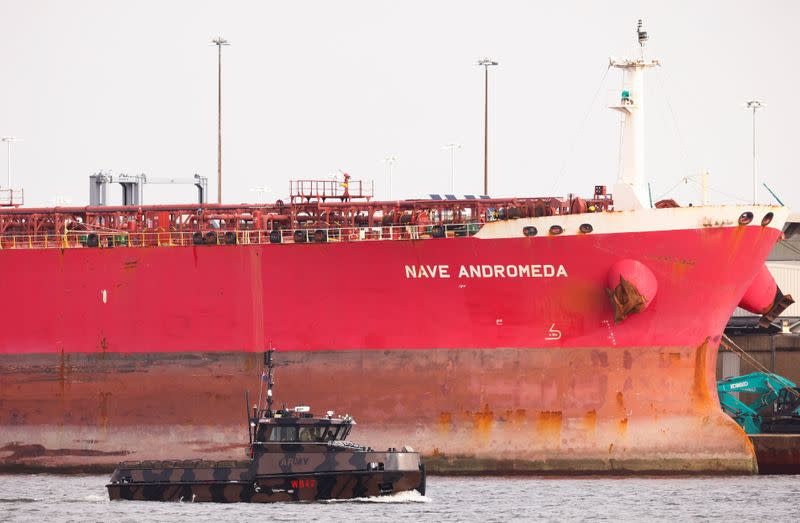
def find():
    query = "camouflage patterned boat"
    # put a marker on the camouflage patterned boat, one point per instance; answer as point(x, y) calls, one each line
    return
point(294, 456)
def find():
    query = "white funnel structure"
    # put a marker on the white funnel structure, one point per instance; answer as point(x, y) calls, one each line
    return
point(630, 191)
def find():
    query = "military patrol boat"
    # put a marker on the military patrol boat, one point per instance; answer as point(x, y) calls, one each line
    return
point(294, 456)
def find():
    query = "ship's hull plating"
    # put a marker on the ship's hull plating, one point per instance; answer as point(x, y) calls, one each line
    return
point(468, 410)
point(146, 352)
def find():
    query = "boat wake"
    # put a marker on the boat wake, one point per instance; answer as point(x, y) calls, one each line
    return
point(400, 497)
point(94, 498)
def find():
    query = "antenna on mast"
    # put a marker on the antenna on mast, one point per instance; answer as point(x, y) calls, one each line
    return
point(270, 381)
point(642, 33)
point(250, 422)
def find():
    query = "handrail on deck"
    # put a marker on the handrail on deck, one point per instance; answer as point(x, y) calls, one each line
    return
point(116, 239)
point(330, 189)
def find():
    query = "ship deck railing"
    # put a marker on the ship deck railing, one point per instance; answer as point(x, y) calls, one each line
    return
point(186, 463)
point(320, 190)
point(122, 239)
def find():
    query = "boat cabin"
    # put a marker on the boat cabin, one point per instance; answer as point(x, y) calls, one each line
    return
point(300, 426)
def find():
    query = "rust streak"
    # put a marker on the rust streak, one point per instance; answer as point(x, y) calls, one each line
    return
point(482, 423)
point(620, 400)
point(445, 422)
point(700, 385)
point(103, 411)
point(590, 421)
point(549, 423)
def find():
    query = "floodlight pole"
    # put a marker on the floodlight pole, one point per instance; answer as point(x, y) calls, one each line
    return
point(486, 63)
point(754, 105)
point(8, 140)
point(452, 147)
point(390, 160)
point(261, 193)
point(219, 42)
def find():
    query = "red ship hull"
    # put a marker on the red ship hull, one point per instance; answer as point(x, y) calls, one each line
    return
point(488, 353)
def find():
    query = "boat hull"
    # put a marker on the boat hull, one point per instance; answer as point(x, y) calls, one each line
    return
point(299, 487)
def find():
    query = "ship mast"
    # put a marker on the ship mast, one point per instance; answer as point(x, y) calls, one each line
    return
point(269, 378)
point(258, 410)
point(630, 191)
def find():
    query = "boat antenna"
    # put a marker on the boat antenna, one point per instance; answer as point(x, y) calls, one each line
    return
point(249, 419)
point(268, 363)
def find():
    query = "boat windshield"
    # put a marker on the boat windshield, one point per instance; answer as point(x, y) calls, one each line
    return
point(318, 434)
point(280, 434)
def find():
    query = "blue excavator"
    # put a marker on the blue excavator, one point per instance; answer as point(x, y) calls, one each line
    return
point(776, 409)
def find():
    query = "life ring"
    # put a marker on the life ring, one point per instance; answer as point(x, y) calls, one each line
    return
point(353, 237)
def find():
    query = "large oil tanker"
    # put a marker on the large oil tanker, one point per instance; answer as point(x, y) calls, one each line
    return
point(513, 334)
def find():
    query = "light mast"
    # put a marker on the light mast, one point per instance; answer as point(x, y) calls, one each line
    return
point(630, 191)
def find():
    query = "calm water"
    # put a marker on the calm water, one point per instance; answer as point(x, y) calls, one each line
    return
point(760, 498)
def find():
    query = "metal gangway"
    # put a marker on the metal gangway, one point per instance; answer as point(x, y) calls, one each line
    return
point(133, 187)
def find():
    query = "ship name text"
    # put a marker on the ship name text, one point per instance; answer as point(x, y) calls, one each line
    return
point(486, 271)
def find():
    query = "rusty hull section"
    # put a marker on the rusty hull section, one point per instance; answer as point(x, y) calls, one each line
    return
point(777, 453)
point(603, 410)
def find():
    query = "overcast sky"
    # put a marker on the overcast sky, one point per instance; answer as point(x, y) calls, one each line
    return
point(314, 87)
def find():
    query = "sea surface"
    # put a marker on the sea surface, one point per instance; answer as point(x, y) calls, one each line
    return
point(49, 498)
